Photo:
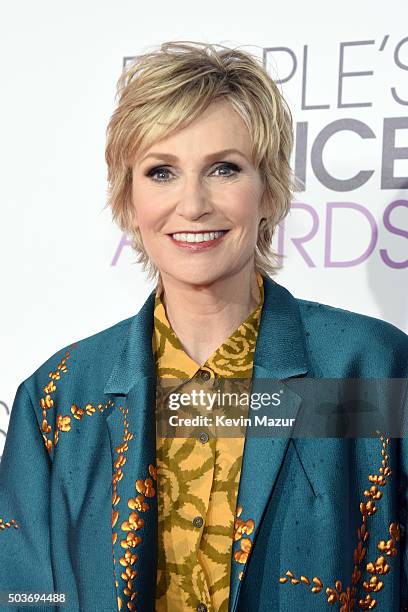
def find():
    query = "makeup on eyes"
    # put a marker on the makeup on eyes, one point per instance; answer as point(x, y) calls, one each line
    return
point(165, 168)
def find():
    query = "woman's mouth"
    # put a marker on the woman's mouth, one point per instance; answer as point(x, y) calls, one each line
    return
point(197, 241)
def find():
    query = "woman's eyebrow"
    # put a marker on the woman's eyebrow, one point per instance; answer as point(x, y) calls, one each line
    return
point(207, 158)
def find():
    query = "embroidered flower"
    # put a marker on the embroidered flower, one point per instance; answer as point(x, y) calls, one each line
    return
point(145, 487)
point(132, 540)
point(134, 522)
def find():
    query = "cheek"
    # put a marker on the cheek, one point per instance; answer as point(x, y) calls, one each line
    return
point(244, 206)
point(146, 219)
point(145, 212)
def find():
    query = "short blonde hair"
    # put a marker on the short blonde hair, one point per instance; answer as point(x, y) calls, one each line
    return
point(163, 90)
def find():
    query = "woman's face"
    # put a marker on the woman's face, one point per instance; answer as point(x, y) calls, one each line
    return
point(188, 184)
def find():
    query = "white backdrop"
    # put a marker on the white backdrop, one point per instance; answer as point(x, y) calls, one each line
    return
point(344, 72)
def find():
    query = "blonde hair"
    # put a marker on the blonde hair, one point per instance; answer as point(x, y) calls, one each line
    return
point(163, 90)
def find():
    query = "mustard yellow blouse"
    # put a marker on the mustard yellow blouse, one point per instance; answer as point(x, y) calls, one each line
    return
point(198, 479)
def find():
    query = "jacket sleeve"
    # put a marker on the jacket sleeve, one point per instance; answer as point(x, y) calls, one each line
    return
point(25, 468)
point(403, 503)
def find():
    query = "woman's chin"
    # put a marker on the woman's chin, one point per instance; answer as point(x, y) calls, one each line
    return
point(194, 276)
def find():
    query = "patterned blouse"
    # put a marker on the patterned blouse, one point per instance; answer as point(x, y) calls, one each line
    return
point(198, 478)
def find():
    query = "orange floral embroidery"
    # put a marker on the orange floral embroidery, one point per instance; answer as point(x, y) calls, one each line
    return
point(138, 503)
point(116, 477)
point(347, 598)
point(46, 402)
point(7, 524)
point(134, 523)
point(242, 528)
point(144, 487)
point(62, 422)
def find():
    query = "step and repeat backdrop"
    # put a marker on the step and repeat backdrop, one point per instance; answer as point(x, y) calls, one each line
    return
point(68, 272)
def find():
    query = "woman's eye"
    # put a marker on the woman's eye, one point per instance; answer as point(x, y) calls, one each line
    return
point(164, 172)
point(159, 170)
point(228, 166)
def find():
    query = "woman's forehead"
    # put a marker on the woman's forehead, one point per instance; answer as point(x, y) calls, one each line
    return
point(209, 136)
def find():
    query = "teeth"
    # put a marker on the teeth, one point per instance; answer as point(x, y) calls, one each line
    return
point(197, 237)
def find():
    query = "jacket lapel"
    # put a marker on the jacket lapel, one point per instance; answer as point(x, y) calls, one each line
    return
point(132, 434)
point(280, 354)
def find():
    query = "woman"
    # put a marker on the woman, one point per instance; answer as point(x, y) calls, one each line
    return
point(97, 505)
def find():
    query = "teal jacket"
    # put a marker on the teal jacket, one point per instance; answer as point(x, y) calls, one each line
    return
point(79, 459)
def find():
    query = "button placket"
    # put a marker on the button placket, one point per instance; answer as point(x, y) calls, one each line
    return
point(203, 376)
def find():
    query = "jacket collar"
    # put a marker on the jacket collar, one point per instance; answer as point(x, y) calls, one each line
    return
point(135, 359)
point(280, 349)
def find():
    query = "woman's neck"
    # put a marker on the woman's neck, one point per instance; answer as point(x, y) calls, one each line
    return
point(203, 317)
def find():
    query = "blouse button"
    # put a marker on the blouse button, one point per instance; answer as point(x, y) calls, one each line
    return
point(201, 607)
point(204, 374)
point(198, 521)
point(203, 437)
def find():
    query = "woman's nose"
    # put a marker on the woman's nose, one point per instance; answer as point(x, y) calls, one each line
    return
point(193, 198)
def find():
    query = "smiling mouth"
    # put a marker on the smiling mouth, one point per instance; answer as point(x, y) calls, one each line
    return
point(195, 236)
